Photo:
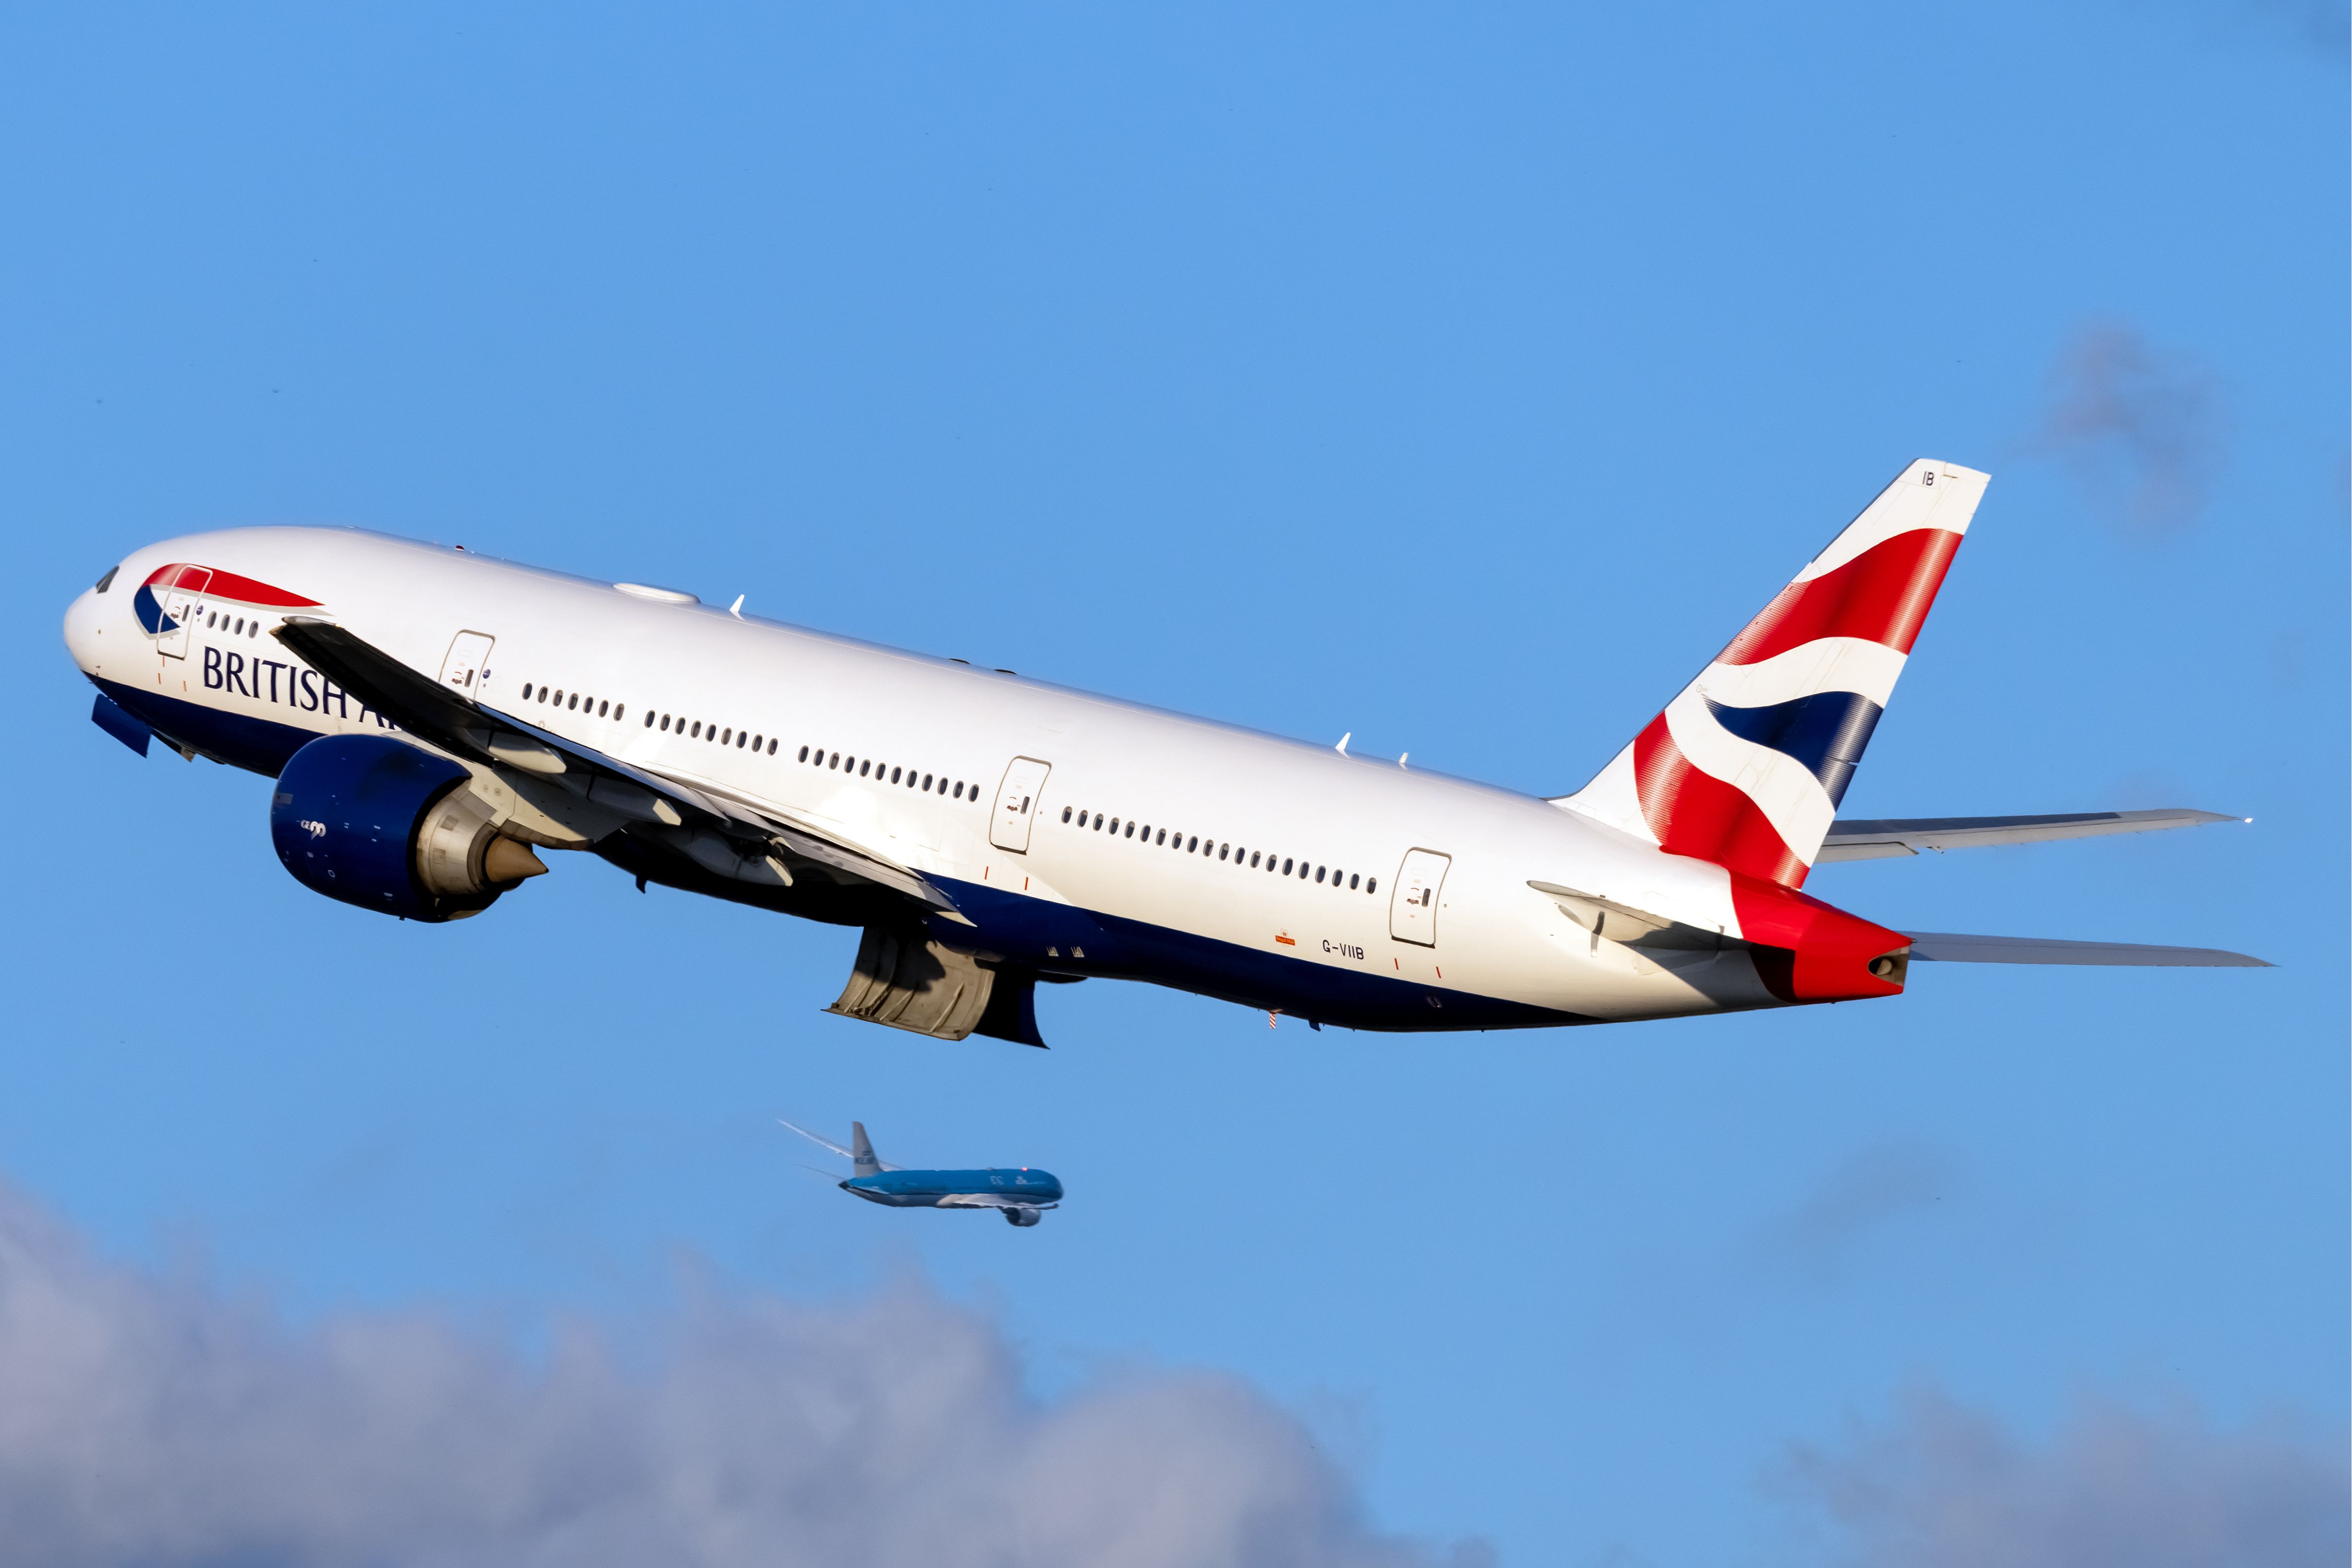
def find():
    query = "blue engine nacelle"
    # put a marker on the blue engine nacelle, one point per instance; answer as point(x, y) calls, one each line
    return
point(390, 826)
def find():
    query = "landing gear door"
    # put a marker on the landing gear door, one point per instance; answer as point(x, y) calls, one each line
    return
point(468, 660)
point(1016, 804)
point(1412, 907)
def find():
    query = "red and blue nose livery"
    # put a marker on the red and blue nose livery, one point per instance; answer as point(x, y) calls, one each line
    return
point(172, 596)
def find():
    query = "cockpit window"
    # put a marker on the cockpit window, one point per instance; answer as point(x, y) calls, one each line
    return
point(107, 581)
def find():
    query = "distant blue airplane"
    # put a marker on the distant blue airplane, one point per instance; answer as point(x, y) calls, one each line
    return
point(1023, 1196)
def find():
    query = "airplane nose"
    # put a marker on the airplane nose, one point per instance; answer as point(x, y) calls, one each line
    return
point(84, 630)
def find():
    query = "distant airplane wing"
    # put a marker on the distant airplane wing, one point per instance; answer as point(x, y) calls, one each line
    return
point(989, 1200)
point(1949, 947)
point(1861, 840)
point(465, 727)
point(814, 1138)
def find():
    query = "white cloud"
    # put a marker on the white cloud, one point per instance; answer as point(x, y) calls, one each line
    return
point(1943, 1487)
point(156, 1422)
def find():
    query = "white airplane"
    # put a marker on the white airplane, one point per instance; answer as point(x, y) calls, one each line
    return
point(435, 718)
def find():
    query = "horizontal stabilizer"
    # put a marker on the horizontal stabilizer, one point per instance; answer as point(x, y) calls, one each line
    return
point(1947, 947)
point(1856, 840)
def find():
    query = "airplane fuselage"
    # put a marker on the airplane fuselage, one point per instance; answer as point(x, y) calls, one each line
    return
point(952, 1189)
point(1077, 836)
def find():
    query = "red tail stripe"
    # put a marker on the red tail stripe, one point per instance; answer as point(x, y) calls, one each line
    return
point(1697, 814)
point(227, 585)
point(1880, 596)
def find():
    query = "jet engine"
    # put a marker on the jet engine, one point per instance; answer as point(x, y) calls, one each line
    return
point(1021, 1217)
point(390, 826)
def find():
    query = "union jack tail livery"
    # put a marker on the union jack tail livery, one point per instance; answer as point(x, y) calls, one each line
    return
point(1747, 767)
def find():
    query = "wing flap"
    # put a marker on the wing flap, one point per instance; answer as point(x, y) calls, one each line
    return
point(1861, 840)
point(1951, 947)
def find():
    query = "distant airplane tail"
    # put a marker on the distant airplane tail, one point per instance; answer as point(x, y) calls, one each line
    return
point(1747, 767)
point(861, 1151)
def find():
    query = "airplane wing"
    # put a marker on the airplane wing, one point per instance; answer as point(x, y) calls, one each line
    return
point(814, 1138)
point(1861, 840)
point(989, 1200)
point(465, 727)
point(1949, 947)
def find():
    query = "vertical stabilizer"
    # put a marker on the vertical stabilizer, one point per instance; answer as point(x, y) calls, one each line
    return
point(1747, 767)
point(861, 1152)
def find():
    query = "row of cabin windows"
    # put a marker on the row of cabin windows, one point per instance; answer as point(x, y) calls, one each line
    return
point(692, 729)
point(1195, 845)
point(574, 702)
point(882, 773)
point(243, 627)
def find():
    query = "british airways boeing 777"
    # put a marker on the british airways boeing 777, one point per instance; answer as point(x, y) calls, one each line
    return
point(435, 720)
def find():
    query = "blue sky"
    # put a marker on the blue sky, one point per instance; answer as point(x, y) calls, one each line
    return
point(1458, 378)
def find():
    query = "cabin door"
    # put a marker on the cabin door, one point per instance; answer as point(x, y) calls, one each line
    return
point(468, 660)
point(1016, 804)
point(181, 606)
point(1412, 907)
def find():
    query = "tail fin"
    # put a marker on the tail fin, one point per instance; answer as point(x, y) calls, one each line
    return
point(1747, 767)
point(861, 1152)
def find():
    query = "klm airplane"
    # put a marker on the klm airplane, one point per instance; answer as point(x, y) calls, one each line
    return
point(435, 722)
point(1022, 1195)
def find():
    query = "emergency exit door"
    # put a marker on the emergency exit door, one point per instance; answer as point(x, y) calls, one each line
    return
point(1016, 804)
point(1412, 908)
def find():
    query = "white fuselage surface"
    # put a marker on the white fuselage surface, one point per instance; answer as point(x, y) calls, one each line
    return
point(1073, 835)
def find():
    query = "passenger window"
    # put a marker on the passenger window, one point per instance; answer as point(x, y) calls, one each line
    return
point(1224, 850)
point(649, 721)
point(771, 748)
point(1163, 835)
point(1098, 821)
point(1351, 885)
point(1130, 830)
point(1114, 827)
point(864, 767)
point(739, 740)
point(1285, 868)
point(1194, 848)
point(1373, 885)
point(574, 703)
point(835, 762)
point(526, 691)
point(959, 791)
point(1252, 859)
point(894, 776)
point(803, 754)
point(1066, 813)
point(697, 735)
